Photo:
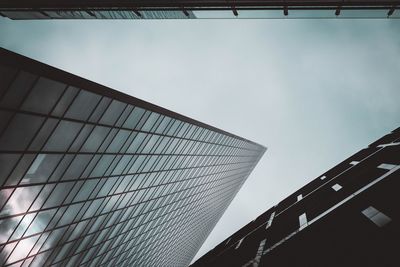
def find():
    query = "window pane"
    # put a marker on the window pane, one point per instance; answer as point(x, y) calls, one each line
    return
point(65, 101)
point(20, 200)
point(150, 122)
point(108, 139)
point(63, 136)
point(77, 167)
point(5, 116)
point(86, 190)
point(22, 249)
point(142, 120)
point(7, 227)
point(7, 75)
point(82, 137)
point(136, 143)
point(43, 96)
point(43, 134)
point(118, 141)
point(163, 125)
point(20, 170)
point(150, 144)
point(20, 132)
point(124, 115)
point(41, 168)
point(70, 214)
point(46, 191)
point(7, 162)
point(18, 90)
point(58, 195)
point(95, 139)
point(102, 166)
point(134, 118)
point(112, 113)
point(101, 107)
point(62, 166)
point(40, 222)
point(83, 105)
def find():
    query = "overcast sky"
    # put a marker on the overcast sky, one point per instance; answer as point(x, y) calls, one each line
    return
point(313, 91)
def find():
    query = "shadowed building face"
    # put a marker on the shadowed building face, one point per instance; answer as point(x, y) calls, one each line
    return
point(346, 217)
point(91, 176)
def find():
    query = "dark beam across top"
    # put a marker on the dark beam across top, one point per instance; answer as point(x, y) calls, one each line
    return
point(194, 4)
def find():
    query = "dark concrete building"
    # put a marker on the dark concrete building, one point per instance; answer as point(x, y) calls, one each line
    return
point(349, 216)
point(201, 9)
point(94, 177)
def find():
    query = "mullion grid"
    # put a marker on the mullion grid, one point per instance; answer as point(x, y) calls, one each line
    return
point(12, 80)
point(164, 222)
point(185, 228)
point(33, 83)
point(188, 196)
point(62, 174)
point(192, 156)
point(211, 141)
point(182, 162)
point(63, 205)
point(61, 159)
point(95, 187)
point(48, 196)
point(148, 212)
point(22, 155)
point(199, 220)
point(156, 124)
point(143, 141)
point(187, 214)
point(107, 199)
point(154, 192)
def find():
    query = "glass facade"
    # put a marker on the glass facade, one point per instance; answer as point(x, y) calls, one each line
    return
point(93, 177)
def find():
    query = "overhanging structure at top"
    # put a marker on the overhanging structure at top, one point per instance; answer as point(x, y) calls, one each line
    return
point(191, 9)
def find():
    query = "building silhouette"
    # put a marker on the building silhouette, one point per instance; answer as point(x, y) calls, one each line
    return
point(93, 177)
point(192, 9)
point(349, 216)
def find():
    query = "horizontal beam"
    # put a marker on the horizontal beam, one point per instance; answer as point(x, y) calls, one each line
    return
point(189, 4)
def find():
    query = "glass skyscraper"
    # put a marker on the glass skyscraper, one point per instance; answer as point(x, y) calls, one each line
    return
point(348, 216)
point(94, 177)
point(197, 9)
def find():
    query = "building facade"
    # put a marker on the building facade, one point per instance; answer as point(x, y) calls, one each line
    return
point(93, 177)
point(349, 216)
point(201, 9)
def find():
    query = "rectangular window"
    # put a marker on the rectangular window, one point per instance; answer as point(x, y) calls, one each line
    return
point(303, 221)
point(336, 187)
point(386, 166)
point(271, 218)
point(64, 102)
point(377, 217)
point(42, 168)
point(63, 136)
point(113, 112)
point(20, 132)
point(18, 89)
point(43, 96)
point(83, 105)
